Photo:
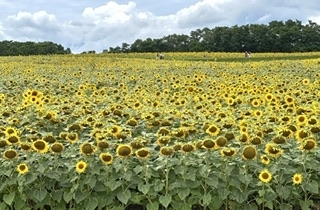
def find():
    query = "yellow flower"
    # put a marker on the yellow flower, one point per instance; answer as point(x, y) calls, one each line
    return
point(143, 153)
point(13, 139)
point(272, 150)
point(297, 178)
point(106, 158)
point(22, 168)
point(229, 152)
point(57, 147)
point(40, 146)
point(249, 153)
point(265, 176)
point(72, 137)
point(213, 130)
point(87, 149)
point(81, 166)
point(124, 150)
point(10, 154)
point(265, 159)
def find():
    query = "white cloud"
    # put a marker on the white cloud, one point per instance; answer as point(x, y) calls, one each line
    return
point(96, 25)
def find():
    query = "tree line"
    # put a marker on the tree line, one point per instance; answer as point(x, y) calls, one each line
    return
point(12, 48)
point(277, 36)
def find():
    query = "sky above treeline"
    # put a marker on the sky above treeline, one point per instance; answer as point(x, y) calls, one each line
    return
point(84, 25)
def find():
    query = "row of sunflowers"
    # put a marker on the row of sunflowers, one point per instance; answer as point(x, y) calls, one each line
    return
point(103, 132)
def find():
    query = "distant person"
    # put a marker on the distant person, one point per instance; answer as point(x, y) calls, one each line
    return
point(247, 54)
point(161, 56)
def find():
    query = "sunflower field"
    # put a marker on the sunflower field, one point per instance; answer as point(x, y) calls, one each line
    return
point(115, 132)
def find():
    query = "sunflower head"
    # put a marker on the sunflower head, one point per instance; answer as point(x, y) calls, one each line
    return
point(265, 176)
point(209, 144)
point(40, 146)
point(103, 144)
point(10, 154)
point(143, 153)
point(308, 144)
point(72, 137)
point(272, 150)
point(87, 148)
point(213, 130)
point(166, 151)
point(264, 159)
point(81, 166)
point(249, 153)
point(187, 147)
point(221, 141)
point(297, 178)
point(57, 147)
point(13, 139)
point(22, 168)
point(26, 146)
point(106, 158)
point(124, 150)
point(228, 152)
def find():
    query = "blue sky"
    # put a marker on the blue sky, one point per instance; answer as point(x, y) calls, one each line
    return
point(96, 25)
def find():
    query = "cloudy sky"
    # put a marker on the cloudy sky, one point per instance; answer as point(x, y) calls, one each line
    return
point(85, 25)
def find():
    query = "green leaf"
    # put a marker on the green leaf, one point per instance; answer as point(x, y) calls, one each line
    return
point(137, 169)
point(8, 198)
point(40, 194)
point(305, 205)
point(183, 193)
point(57, 195)
point(124, 196)
point(212, 182)
point(144, 188)
point(67, 196)
point(114, 185)
point(190, 175)
point(158, 185)
point(19, 203)
point(92, 203)
point(153, 206)
point(239, 196)
point(127, 175)
point(165, 200)
point(80, 196)
point(30, 178)
point(40, 168)
point(206, 199)
point(312, 186)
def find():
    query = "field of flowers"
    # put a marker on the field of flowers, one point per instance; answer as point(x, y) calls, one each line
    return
point(104, 132)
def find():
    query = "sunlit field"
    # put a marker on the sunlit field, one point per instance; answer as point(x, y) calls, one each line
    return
point(195, 131)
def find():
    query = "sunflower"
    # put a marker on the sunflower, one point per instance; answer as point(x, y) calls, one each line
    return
point(87, 148)
point(143, 153)
point(163, 131)
point(243, 137)
point(308, 144)
point(229, 136)
point(272, 150)
point(22, 168)
point(221, 141)
point(264, 159)
point(265, 176)
point(255, 103)
point(289, 100)
point(132, 122)
point(249, 153)
point(57, 147)
point(302, 120)
point(297, 178)
point(26, 146)
point(213, 130)
point(102, 144)
point(49, 138)
point(256, 140)
point(187, 147)
point(10, 154)
point(279, 139)
point(166, 151)
point(106, 158)
point(10, 131)
point(72, 137)
point(163, 140)
point(81, 166)
point(302, 134)
point(12, 139)
point(40, 146)
point(124, 150)
point(3, 143)
point(229, 152)
point(208, 144)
